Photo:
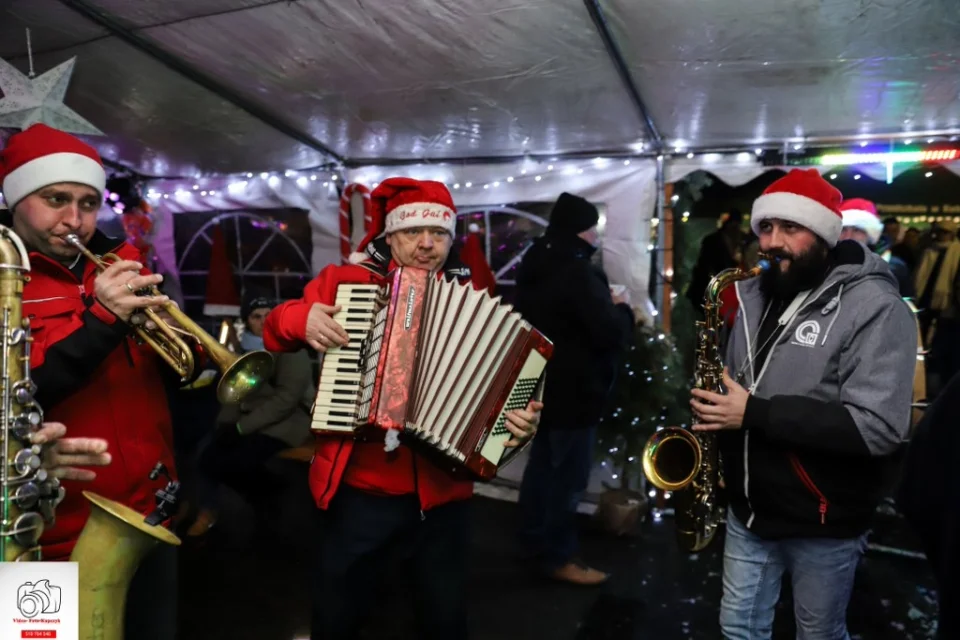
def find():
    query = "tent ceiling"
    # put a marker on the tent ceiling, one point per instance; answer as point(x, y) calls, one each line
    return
point(280, 82)
point(741, 71)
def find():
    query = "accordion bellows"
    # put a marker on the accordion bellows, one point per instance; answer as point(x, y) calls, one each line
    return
point(436, 360)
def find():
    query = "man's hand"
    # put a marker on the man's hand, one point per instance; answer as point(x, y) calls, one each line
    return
point(61, 456)
point(323, 332)
point(713, 411)
point(523, 424)
point(116, 288)
point(163, 315)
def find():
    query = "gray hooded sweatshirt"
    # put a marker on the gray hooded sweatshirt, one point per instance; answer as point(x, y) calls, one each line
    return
point(830, 401)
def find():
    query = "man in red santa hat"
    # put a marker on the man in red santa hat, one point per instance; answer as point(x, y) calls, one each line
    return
point(862, 224)
point(90, 373)
point(818, 385)
point(373, 499)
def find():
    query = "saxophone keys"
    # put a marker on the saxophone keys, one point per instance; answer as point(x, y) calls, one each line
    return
point(27, 495)
point(27, 460)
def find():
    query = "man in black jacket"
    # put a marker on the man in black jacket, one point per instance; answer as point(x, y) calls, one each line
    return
point(567, 298)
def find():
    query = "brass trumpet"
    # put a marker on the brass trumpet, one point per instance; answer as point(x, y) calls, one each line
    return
point(241, 374)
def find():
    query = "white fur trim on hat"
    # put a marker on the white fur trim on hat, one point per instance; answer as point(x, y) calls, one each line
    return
point(865, 221)
point(798, 209)
point(52, 169)
point(421, 214)
point(357, 257)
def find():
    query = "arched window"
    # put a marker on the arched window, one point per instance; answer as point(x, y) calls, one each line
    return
point(269, 252)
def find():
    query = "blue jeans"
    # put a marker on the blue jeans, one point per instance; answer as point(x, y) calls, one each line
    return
point(554, 481)
point(822, 572)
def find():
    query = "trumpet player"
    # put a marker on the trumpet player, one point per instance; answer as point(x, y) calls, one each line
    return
point(90, 374)
point(819, 378)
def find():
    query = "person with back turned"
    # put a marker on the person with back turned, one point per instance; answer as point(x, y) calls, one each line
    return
point(566, 297)
point(819, 379)
point(90, 373)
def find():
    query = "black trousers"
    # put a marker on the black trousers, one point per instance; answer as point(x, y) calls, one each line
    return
point(358, 533)
point(151, 612)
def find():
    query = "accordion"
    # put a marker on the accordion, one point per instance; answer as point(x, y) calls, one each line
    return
point(437, 362)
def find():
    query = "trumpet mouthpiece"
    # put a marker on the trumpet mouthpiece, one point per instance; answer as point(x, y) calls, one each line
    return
point(72, 238)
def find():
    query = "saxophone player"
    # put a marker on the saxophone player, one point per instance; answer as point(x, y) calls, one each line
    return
point(89, 372)
point(819, 377)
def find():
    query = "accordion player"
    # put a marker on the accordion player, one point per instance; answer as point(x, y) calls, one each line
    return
point(434, 363)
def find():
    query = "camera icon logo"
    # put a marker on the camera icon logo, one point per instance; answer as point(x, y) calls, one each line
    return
point(40, 597)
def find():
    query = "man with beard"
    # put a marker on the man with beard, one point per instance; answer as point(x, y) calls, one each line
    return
point(818, 384)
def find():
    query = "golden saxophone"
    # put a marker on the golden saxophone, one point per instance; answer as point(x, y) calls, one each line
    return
point(115, 538)
point(687, 463)
point(241, 375)
point(30, 495)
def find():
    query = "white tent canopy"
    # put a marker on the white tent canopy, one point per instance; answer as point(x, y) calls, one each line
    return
point(188, 87)
point(209, 91)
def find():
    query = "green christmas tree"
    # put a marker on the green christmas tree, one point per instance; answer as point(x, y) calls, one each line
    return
point(651, 391)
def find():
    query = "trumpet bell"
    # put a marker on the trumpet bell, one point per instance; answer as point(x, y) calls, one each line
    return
point(244, 376)
point(671, 459)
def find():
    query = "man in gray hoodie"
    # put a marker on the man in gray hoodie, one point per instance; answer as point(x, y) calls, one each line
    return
point(819, 372)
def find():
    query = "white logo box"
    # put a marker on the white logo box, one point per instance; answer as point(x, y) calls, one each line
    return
point(39, 600)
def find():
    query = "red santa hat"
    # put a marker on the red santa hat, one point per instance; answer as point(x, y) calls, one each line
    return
point(862, 214)
point(40, 156)
point(805, 198)
point(404, 203)
point(222, 297)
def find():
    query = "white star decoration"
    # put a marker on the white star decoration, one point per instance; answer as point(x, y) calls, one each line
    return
point(27, 101)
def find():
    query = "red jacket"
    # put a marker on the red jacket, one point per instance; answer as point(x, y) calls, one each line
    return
point(93, 377)
point(364, 465)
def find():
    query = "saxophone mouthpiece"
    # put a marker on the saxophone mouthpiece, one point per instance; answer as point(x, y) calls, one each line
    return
point(766, 262)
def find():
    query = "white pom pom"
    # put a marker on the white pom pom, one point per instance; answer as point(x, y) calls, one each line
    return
point(392, 440)
point(474, 227)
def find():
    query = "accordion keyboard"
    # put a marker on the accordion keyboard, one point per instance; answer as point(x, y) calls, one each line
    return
point(335, 407)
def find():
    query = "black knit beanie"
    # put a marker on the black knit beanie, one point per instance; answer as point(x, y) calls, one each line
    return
point(572, 215)
point(258, 302)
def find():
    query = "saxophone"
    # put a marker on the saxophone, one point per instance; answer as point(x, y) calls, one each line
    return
point(687, 463)
point(29, 494)
point(115, 538)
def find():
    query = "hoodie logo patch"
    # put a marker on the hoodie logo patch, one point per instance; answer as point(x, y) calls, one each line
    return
point(807, 333)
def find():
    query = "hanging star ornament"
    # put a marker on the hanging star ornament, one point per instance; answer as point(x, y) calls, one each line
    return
point(27, 101)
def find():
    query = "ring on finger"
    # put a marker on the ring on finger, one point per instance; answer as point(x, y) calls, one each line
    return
point(130, 288)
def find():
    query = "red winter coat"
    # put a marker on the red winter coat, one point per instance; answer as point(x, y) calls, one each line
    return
point(364, 465)
point(93, 377)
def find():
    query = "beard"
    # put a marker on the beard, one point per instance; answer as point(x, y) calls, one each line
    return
point(806, 271)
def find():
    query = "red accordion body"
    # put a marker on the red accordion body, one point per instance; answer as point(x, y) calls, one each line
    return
point(437, 361)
